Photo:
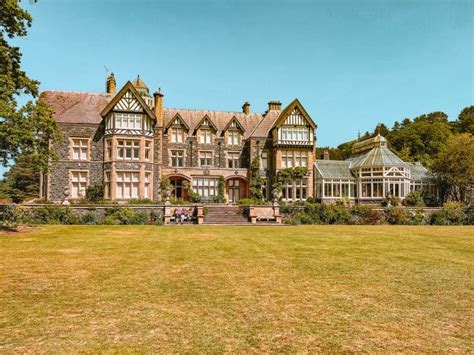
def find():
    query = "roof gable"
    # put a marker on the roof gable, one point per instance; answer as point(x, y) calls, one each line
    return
point(128, 99)
point(206, 122)
point(294, 114)
point(177, 120)
point(234, 123)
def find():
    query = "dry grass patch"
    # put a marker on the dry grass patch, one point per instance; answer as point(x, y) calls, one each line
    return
point(237, 289)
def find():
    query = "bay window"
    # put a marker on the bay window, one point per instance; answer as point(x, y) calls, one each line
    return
point(127, 183)
point(128, 149)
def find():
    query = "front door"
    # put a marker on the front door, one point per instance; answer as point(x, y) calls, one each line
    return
point(234, 190)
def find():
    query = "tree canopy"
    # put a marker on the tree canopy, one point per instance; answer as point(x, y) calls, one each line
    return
point(23, 130)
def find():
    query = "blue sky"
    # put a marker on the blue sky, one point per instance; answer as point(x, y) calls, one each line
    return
point(351, 63)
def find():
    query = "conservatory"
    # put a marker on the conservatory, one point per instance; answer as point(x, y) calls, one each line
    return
point(372, 173)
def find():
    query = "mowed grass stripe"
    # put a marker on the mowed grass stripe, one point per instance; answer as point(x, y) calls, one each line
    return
point(237, 289)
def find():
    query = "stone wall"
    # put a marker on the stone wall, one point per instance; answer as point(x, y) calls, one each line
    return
point(58, 179)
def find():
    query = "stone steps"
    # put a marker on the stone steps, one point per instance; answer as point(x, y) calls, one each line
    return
point(222, 214)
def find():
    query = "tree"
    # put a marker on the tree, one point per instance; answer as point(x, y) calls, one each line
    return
point(454, 168)
point(22, 181)
point(25, 130)
point(465, 122)
point(421, 139)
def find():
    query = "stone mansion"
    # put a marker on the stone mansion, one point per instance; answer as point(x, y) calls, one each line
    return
point(128, 140)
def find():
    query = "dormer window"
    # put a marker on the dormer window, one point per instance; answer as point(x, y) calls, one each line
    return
point(205, 136)
point(177, 134)
point(233, 137)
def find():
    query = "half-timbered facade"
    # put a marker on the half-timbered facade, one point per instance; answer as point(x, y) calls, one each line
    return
point(127, 141)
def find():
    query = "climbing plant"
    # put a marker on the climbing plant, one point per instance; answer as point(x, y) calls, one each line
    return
point(256, 181)
point(297, 172)
point(220, 189)
point(166, 187)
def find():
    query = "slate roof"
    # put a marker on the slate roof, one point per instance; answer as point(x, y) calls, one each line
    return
point(378, 156)
point(266, 123)
point(334, 169)
point(219, 118)
point(76, 107)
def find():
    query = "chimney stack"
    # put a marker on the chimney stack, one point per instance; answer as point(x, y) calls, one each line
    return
point(159, 107)
point(110, 84)
point(274, 105)
point(326, 154)
point(246, 108)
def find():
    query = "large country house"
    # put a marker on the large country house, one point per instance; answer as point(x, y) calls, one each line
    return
point(127, 141)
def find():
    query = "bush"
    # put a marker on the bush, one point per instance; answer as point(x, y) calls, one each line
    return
point(414, 198)
point(453, 213)
point(250, 201)
point(156, 217)
point(139, 218)
point(300, 218)
point(430, 199)
point(12, 216)
point(375, 217)
point(54, 215)
point(416, 217)
point(336, 215)
point(95, 193)
point(88, 218)
point(110, 221)
point(140, 201)
point(396, 215)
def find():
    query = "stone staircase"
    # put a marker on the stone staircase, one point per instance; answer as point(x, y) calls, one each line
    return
point(225, 214)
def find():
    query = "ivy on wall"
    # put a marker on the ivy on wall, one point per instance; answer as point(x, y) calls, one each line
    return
point(256, 181)
point(297, 172)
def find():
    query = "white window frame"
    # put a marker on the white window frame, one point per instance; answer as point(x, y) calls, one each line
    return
point(80, 148)
point(78, 182)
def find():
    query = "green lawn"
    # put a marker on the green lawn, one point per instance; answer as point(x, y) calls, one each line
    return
point(237, 289)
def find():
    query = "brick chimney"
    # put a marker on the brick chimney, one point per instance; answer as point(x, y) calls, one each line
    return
point(326, 154)
point(246, 108)
point(274, 105)
point(110, 84)
point(158, 95)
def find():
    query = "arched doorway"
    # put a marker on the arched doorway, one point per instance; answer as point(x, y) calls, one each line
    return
point(180, 187)
point(236, 189)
